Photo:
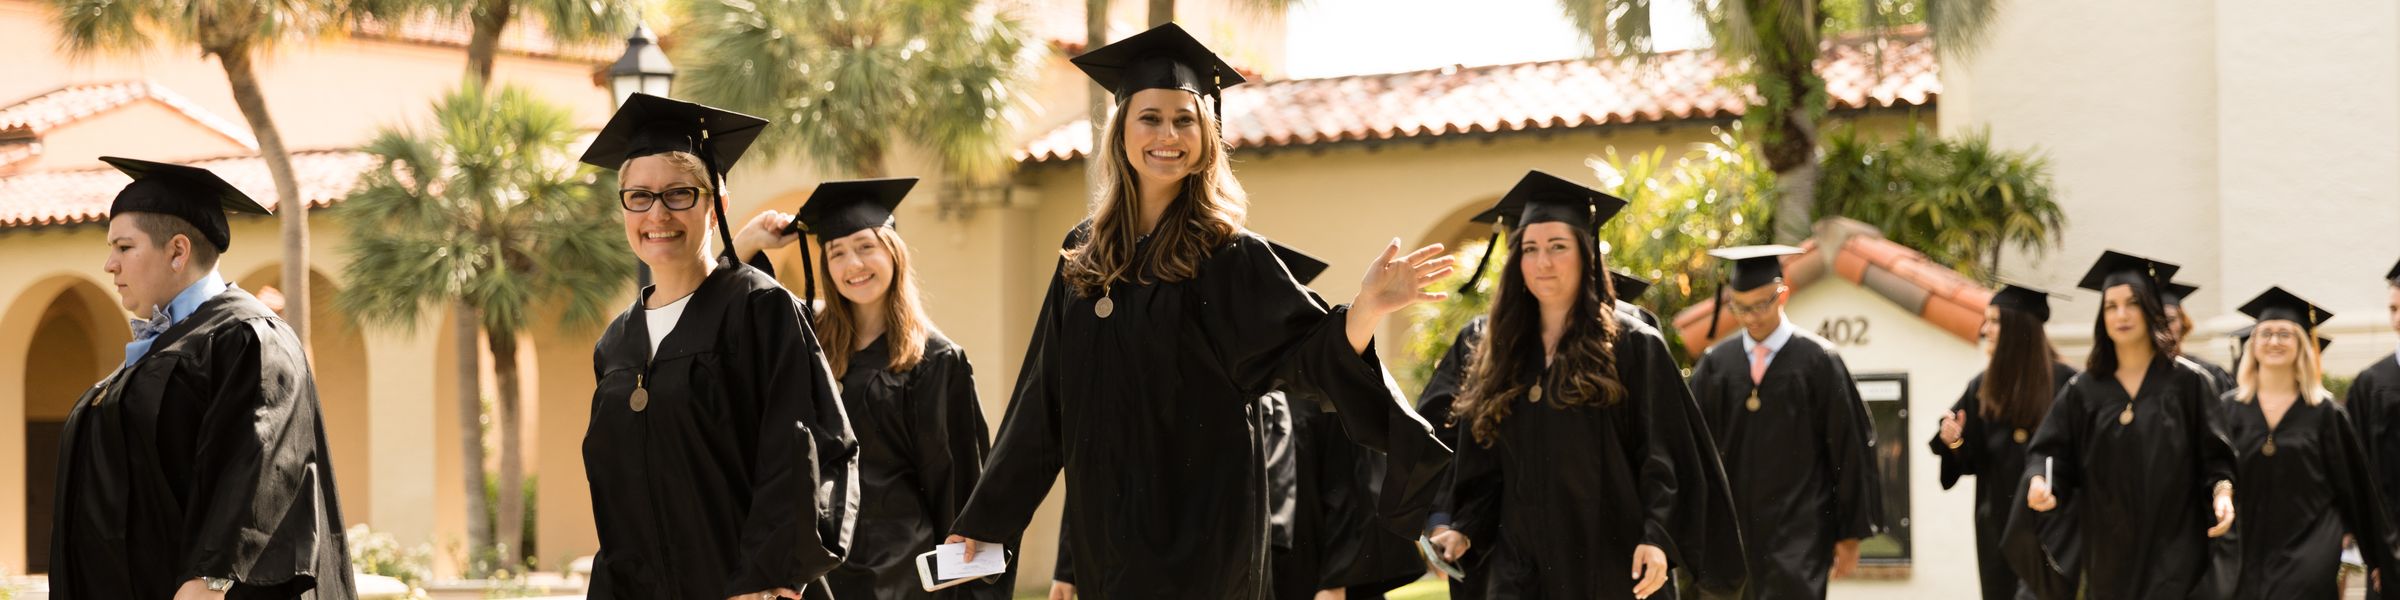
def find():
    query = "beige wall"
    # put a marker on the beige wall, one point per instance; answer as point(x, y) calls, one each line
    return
point(1938, 366)
point(2254, 146)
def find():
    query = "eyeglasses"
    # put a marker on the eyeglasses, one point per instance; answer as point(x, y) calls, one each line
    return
point(2278, 336)
point(1743, 310)
point(681, 198)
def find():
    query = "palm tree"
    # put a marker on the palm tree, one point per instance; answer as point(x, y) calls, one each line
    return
point(567, 21)
point(1960, 201)
point(236, 33)
point(1779, 42)
point(486, 214)
point(845, 80)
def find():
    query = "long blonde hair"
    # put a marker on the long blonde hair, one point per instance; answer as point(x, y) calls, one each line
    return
point(2304, 366)
point(905, 327)
point(1209, 212)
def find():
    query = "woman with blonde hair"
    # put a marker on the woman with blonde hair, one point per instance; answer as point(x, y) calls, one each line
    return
point(2304, 470)
point(720, 461)
point(1163, 325)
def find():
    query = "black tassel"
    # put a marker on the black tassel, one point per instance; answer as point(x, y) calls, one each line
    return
point(1481, 263)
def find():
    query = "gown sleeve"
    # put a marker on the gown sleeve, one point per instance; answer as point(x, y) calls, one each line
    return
point(1449, 376)
point(1963, 461)
point(256, 503)
point(2211, 442)
point(1850, 442)
point(1688, 509)
point(949, 442)
point(949, 451)
point(2355, 497)
point(803, 447)
point(1026, 459)
point(1475, 494)
point(1270, 333)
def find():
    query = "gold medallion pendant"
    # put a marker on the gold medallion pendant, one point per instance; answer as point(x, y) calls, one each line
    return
point(640, 399)
point(2269, 448)
point(2126, 418)
point(1753, 403)
point(2021, 435)
point(1534, 394)
point(1104, 307)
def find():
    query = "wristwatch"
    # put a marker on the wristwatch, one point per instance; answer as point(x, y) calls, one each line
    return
point(217, 584)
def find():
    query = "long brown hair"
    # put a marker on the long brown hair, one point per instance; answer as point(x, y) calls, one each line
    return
point(905, 327)
point(1206, 214)
point(2163, 340)
point(1586, 352)
point(2018, 383)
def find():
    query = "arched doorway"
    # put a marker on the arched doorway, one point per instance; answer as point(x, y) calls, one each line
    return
point(61, 334)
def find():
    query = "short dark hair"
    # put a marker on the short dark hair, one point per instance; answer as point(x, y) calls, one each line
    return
point(162, 227)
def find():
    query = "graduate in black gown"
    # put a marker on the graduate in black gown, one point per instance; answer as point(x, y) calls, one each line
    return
point(1323, 536)
point(1162, 326)
point(2374, 405)
point(1986, 432)
point(197, 469)
point(2137, 443)
point(2306, 478)
point(908, 390)
point(2173, 296)
point(1794, 434)
point(1580, 446)
point(720, 461)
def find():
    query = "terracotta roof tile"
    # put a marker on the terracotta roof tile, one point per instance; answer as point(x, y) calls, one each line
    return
point(1952, 301)
point(1860, 73)
point(39, 114)
point(71, 196)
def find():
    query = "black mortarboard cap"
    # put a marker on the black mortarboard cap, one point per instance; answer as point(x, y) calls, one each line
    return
point(1304, 268)
point(1626, 286)
point(193, 194)
point(649, 125)
point(2393, 275)
point(840, 208)
point(2023, 299)
point(1544, 198)
point(1165, 57)
point(2175, 292)
point(1754, 266)
point(2118, 268)
point(2277, 304)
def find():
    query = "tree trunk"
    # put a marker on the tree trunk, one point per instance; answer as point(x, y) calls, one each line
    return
point(1790, 134)
point(1162, 12)
point(1095, 35)
point(253, 103)
point(467, 333)
point(491, 18)
point(510, 526)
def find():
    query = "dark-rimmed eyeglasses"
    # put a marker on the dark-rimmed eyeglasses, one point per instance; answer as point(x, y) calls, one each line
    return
point(680, 198)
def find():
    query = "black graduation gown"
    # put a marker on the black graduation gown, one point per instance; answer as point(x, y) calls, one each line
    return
point(2223, 377)
point(1801, 465)
point(921, 440)
point(1573, 490)
point(1151, 414)
point(2142, 490)
point(1322, 530)
point(205, 458)
point(1994, 454)
point(2294, 506)
point(1449, 377)
point(741, 473)
point(2374, 405)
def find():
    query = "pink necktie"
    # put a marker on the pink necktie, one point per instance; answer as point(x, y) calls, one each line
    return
point(1758, 363)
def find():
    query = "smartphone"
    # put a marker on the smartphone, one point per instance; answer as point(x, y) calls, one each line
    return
point(926, 579)
point(1433, 554)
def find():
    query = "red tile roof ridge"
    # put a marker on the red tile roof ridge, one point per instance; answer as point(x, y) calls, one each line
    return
point(73, 103)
